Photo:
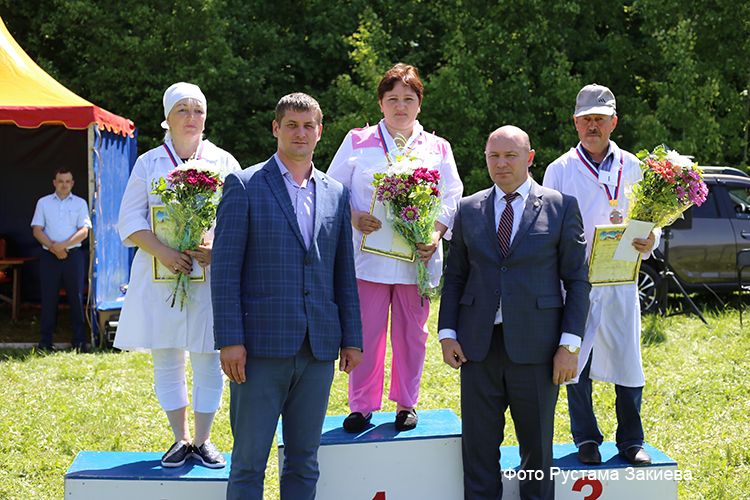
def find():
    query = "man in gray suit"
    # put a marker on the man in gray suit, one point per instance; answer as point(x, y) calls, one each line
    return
point(504, 320)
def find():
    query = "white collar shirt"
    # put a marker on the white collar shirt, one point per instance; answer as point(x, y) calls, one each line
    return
point(359, 157)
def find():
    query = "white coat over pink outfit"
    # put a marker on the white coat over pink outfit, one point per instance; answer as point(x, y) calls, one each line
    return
point(385, 283)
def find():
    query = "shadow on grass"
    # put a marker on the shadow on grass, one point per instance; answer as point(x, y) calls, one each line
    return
point(722, 304)
point(708, 303)
point(16, 354)
point(653, 329)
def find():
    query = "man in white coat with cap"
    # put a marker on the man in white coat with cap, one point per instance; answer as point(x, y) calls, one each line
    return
point(598, 174)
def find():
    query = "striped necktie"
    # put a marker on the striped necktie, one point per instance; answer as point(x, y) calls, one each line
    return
point(505, 227)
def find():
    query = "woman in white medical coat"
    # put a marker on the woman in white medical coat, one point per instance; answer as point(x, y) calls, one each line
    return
point(148, 321)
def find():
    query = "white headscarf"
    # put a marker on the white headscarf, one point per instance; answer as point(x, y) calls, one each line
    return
point(178, 91)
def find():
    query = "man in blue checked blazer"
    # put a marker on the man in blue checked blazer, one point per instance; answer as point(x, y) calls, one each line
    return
point(285, 302)
point(503, 318)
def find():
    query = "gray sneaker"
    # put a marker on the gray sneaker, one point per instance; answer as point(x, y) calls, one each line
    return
point(209, 455)
point(176, 454)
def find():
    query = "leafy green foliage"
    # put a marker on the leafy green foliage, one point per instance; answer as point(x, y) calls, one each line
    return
point(679, 69)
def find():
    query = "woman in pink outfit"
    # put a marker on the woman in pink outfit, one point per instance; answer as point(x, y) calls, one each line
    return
point(387, 284)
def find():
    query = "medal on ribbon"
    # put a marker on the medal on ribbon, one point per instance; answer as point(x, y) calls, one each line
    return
point(405, 152)
point(615, 215)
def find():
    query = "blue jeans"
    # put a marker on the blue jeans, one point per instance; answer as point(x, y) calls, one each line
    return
point(583, 423)
point(296, 388)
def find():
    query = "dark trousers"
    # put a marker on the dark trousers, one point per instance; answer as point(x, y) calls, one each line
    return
point(69, 274)
point(488, 388)
point(583, 423)
point(296, 388)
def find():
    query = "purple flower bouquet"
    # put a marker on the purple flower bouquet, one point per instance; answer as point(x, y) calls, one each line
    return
point(412, 199)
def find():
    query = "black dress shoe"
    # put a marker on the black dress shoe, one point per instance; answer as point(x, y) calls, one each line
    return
point(356, 422)
point(45, 348)
point(588, 453)
point(406, 420)
point(636, 455)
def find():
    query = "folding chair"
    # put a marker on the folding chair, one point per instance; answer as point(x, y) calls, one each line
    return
point(743, 261)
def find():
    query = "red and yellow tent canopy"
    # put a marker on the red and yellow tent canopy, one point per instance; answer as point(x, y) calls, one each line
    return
point(29, 97)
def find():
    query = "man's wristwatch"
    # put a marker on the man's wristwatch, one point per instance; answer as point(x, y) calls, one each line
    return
point(571, 349)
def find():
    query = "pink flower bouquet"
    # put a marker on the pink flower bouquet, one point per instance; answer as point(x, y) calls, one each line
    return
point(671, 184)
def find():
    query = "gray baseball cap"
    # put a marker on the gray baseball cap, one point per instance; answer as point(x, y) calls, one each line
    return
point(595, 99)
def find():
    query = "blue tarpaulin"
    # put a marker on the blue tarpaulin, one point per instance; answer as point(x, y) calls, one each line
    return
point(45, 126)
point(113, 158)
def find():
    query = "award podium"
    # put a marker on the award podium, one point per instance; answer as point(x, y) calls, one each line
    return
point(377, 464)
point(383, 464)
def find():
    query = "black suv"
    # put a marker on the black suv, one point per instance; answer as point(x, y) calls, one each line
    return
point(703, 247)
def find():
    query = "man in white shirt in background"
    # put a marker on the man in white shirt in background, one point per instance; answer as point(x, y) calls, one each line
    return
point(61, 222)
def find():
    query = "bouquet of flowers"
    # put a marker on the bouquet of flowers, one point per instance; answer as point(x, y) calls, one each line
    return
point(671, 184)
point(412, 199)
point(191, 194)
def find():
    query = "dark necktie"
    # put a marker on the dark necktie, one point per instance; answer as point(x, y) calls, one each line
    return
point(505, 227)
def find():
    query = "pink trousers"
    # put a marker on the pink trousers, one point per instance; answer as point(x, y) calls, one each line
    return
point(408, 344)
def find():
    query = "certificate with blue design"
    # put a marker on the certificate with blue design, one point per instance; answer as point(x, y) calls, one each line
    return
point(604, 269)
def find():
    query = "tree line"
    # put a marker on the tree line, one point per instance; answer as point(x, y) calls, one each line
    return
point(680, 70)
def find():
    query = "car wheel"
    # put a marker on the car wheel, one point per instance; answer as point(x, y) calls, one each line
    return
point(648, 286)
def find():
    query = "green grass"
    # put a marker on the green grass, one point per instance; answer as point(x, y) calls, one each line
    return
point(696, 406)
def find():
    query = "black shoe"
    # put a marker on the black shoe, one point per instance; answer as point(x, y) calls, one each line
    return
point(209, 455)
point(406, 420)
point(356, 422)
point(176, 454)
point(636, 455)
point(45, 348)
point(84, 347)
point(588, 453)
